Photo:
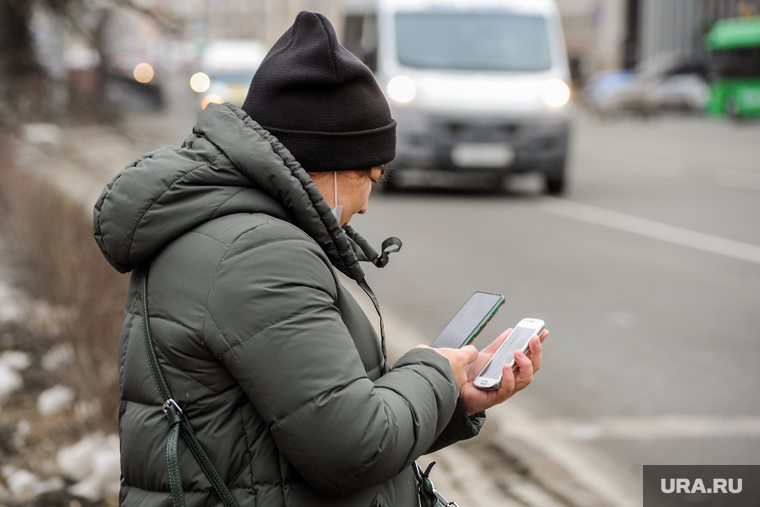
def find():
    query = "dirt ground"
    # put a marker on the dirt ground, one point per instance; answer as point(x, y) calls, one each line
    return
point(28, 440)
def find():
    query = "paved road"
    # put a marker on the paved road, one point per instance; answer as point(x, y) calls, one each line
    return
point(647, 273)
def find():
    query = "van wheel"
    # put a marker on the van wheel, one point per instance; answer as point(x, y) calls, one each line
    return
point(555, 186)
point(555, 182)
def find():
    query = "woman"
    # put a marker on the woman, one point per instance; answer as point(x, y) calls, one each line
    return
point(271, 360)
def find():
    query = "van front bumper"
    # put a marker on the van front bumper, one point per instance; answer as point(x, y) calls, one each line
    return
point(445, 143)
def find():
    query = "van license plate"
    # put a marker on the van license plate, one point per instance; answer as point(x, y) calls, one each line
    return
point(482, 155)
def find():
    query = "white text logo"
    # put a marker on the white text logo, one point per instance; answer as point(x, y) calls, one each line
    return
point(685, 486)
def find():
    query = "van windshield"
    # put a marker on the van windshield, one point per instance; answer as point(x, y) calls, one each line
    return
point(472, 41)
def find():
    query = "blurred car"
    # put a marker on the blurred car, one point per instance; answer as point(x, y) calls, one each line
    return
point(227, 67)
point(647, 92)
point(686, 92)
point(614, 90)
point(133, 85)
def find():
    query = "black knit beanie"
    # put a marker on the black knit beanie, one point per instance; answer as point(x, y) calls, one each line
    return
point(321, 102)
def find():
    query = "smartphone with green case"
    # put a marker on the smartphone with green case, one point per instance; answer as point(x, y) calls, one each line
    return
point(469, 320)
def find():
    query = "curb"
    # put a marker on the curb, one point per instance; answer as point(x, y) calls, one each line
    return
point(547, 472)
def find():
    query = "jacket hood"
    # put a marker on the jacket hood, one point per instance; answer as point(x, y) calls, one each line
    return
point(230, 164)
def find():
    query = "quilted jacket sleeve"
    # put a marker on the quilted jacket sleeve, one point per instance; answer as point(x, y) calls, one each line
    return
point(277, 329)
point(460, 427)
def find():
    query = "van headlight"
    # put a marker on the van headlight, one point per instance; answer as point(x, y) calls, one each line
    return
point(555, 93)
point(401, 89)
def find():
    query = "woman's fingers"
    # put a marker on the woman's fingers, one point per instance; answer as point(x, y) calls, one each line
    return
point(459, 359)
point(511, 381)
point(507, 387)
point(524, 371)
point(470, 353)
point(535, 352)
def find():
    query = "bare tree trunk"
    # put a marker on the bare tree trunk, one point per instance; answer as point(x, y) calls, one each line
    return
point(20, 73)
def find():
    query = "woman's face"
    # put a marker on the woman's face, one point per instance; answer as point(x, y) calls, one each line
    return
point(353, 188)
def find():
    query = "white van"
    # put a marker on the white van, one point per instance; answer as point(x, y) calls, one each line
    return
point(479, 86)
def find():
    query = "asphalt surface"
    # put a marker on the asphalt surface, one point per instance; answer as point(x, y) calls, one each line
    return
point(647, 273)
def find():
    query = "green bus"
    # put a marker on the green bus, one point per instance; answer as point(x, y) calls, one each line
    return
point(734, 45)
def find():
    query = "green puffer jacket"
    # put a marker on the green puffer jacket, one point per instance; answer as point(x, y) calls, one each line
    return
point(277, 368)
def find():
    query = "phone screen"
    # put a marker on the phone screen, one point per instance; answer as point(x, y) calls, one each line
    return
point(459, 332)
point(505, 354)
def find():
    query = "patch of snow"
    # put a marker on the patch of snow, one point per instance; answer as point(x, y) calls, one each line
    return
point(12, 304)
point(20, 483)
point(41, 317)
point(104, 479)
point(94, 462)
point(60, 355)
point(25, 486)
point(53, 400)
point(23, 428)
point(75, 461)
point(10, 381)
point(15, 359)
point(11, 362)
point(85, 410)
point(42, 133)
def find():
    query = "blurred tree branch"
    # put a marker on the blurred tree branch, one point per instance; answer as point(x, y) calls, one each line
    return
point(22, 78)
point(163, 19)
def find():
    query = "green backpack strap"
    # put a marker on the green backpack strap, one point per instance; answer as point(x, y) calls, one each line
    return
point(179, 424)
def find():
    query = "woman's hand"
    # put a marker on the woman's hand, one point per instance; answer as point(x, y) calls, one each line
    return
point(477, 400)
point(459, 359)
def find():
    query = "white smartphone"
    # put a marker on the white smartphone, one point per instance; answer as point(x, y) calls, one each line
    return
point(489, 377)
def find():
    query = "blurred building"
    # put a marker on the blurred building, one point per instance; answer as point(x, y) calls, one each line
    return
point(671, 33)
point(594, 34)
point(264, 20)
point(612, 34)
